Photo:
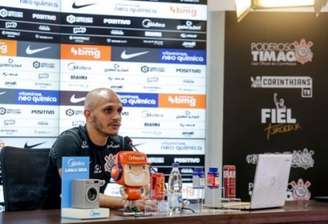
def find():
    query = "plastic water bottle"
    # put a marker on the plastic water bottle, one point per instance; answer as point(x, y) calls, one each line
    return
point(198, 185)
point(175, 189)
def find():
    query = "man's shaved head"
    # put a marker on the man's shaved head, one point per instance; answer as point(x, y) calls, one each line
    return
point(98, 96)
point(102, 111)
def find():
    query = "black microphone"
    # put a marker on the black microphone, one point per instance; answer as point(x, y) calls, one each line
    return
point(116, 139)
point(127, 140)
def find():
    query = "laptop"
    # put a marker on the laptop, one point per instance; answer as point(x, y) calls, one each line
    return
point(270, 183)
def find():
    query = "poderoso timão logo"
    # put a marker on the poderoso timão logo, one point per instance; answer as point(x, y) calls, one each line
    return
point(282, 53)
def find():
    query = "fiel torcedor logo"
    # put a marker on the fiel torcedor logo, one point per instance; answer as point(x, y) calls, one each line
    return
point(279, 119)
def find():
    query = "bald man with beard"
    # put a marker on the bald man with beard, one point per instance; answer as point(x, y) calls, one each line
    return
point(98, 139)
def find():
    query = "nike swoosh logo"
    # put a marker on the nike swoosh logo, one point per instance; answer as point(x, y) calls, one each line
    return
point(2, 93)
point(30, 51)
point(27, 146)
point(75, 99)
point(126, 56)
point(75, 6)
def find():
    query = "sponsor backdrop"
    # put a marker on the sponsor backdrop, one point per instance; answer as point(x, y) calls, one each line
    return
point(152, 53)
point(275, 97)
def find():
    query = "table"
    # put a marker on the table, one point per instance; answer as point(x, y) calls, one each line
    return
point(293, 212)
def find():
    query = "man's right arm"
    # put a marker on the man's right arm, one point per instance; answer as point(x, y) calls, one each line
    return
point(107, 201)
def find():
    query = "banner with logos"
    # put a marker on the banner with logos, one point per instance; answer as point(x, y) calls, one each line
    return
point(275, 92)
point(153, 54)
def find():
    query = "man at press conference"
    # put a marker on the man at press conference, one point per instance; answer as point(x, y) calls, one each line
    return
point(98, 139)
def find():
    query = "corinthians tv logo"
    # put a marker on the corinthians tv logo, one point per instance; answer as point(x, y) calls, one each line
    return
point(279, 119)
point(279, 54)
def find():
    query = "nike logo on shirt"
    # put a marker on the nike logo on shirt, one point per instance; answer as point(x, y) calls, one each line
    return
point(75, 99)
point(30, 51)
point(126, 56)
point(2, 93)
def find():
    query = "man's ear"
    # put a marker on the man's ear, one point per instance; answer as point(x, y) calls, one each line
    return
point(87, 115)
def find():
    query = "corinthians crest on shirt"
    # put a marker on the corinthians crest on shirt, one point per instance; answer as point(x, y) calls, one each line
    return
point(281, 53)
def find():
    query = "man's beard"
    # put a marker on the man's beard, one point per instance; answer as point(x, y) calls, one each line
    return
point(103, 129)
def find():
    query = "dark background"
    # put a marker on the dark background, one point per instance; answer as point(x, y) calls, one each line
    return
point(243, 131)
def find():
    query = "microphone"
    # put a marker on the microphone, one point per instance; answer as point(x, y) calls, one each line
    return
point(116, 139)
point(127, 140)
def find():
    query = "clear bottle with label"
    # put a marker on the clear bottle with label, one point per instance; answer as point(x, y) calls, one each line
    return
point(175, 189)
point(198, 184)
